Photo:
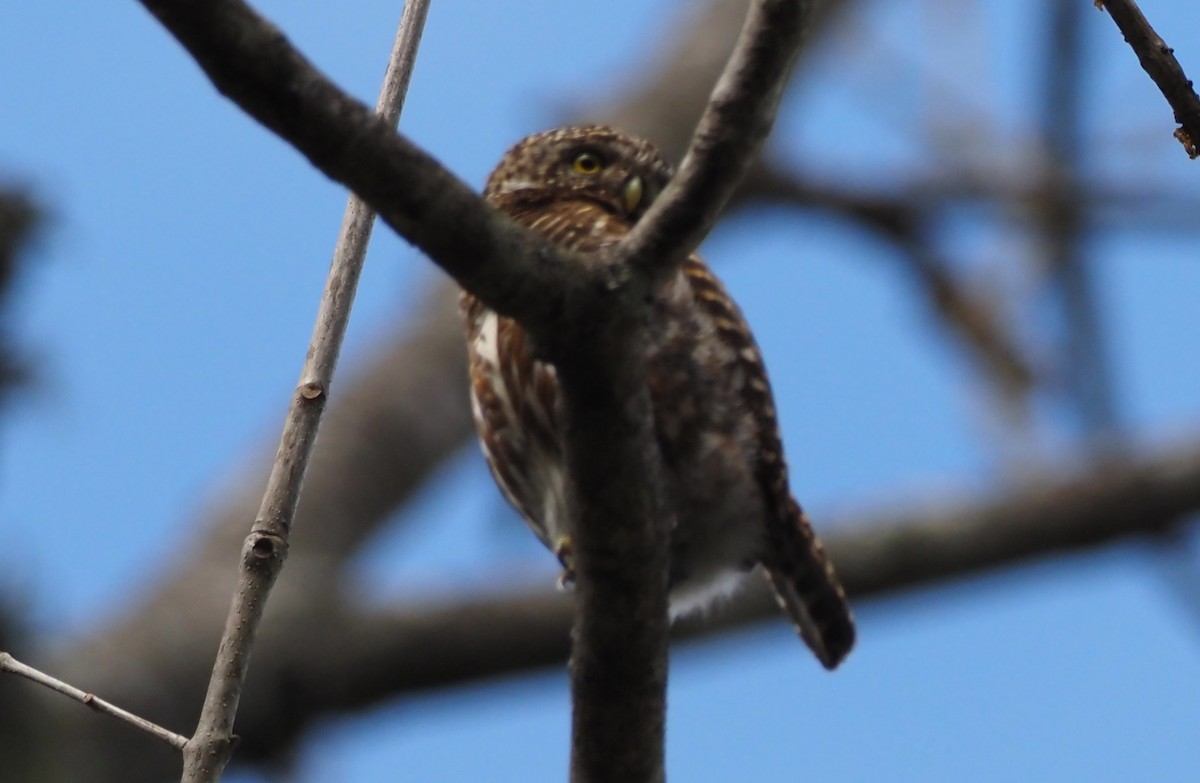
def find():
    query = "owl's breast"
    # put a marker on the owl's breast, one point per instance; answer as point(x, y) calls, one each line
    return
point(708, 439)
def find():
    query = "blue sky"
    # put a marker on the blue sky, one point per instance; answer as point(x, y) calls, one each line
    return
point(173, 295)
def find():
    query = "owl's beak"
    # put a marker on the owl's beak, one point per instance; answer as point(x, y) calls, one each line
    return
point(632, 194)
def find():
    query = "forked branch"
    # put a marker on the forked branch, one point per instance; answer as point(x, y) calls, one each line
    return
point(604, 395)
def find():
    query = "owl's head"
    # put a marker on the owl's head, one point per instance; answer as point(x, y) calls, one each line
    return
point(620, 172)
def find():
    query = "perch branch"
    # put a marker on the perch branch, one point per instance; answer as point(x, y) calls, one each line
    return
point(619, 654)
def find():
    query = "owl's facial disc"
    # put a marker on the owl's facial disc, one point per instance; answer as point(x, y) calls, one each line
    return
point(632, 193)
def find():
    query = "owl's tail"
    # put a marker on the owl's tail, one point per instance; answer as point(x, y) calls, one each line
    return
point(809, 592)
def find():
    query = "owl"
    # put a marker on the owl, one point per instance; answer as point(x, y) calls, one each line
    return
point(582, 189)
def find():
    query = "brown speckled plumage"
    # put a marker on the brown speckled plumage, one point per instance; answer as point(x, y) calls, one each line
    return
point(714, 413)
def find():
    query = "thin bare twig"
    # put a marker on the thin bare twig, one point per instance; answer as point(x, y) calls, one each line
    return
point(605, 399)
point(738, 118)
point(265, 549)
point(11, 664)
point(675, 81)
point(1159, 61)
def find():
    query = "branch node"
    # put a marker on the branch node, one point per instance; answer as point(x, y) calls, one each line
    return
point(266, 546)
point(311, 390)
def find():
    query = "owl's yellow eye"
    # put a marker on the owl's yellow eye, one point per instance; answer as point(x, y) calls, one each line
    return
point(587, 163)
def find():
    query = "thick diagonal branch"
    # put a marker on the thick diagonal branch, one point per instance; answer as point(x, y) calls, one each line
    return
point(253, 64)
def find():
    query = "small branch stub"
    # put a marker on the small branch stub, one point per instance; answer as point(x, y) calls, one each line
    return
point(311, 390)
point(1190, 145)
point(264, 550)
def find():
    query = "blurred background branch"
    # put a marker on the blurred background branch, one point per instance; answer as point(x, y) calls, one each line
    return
point(19, 221)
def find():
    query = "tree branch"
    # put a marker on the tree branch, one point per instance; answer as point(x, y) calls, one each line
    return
point(738, 118)
point(905, 220)
point(381, 439)
point(19, 219)
point(604, 394)
point(386, 431)
point(622, 530)
point(621, 556)
point(1059, 224)
point(11, 664)
point(253, 64)
point(365, 657)
point(265, 549)
point(672, 91)
point(878, 555)
point(1159, 61)
point(349, 497)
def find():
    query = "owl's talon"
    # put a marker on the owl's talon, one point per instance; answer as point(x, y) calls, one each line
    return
point(564, 551)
